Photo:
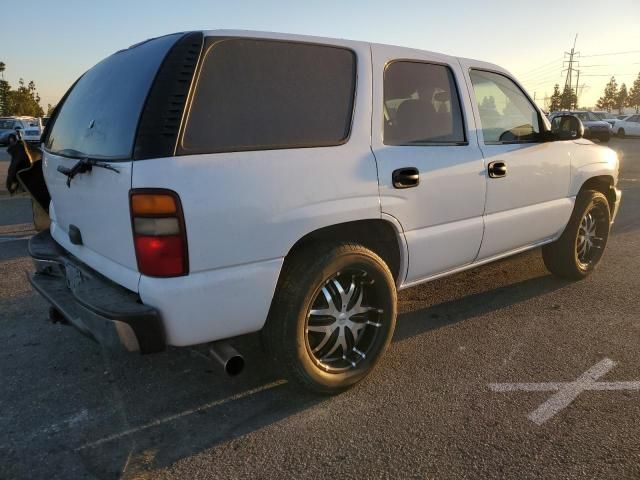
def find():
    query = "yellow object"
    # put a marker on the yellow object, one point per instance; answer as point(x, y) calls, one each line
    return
point(152, 204)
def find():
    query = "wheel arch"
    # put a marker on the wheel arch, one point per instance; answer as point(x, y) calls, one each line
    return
point(603, 184)
point(383, 236)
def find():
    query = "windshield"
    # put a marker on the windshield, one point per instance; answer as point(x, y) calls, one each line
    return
point(100, 116)
point(587, 116)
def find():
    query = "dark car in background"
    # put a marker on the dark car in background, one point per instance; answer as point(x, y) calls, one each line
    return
point(594, 127)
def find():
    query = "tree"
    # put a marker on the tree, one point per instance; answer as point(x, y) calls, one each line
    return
point(554, 106)
point(634, 95)
point(608, 100)
point(25, 100)
point(5, 106)
point(488, 103)
point(568, 99)
point(621, 98)
point(4, 91)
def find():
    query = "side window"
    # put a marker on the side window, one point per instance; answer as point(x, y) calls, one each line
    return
point(635, 118)
point(506, 114)
point(264, 94)
point(421, 105)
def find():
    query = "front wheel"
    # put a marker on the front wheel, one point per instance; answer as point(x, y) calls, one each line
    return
point(580, 247)
point(332, 317)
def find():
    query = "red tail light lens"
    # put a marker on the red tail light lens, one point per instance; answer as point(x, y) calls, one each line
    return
point(159, 233)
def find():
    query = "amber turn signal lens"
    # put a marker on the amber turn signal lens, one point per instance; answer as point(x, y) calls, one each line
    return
point(152, 204)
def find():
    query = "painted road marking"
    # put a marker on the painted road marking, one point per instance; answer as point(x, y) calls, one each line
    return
point(185, 413)
point(14, 239)
point(567, 392)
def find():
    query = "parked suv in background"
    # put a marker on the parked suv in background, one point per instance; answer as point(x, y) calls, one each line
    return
point(606, 117)
point(248, 181)
point(594, 127)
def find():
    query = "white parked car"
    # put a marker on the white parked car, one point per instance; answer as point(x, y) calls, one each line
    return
point(250, 181)
point(27, 128)
point(629, 126)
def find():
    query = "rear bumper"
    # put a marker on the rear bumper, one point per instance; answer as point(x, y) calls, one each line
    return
point(110, 314)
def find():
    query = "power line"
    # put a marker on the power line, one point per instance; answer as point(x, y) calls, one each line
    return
point(608, 74)
point(611, 53)
point(547, 78)
point(554, 80)
point(541, 73)
point(541, 66)
point(610, 65)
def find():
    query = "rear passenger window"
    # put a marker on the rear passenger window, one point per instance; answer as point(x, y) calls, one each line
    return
point(261, 94)
point(421, 105)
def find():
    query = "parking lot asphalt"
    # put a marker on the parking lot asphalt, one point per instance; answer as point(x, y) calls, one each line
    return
point(430, 410)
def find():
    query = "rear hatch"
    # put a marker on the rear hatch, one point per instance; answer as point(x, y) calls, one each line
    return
point(99, 120)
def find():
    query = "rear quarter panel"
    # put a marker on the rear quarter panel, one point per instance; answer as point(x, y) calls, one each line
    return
point(243, 213)
point(245, 207)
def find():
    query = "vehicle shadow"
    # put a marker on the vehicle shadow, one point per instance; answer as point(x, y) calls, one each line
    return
point(421, 320)
point(177, 405)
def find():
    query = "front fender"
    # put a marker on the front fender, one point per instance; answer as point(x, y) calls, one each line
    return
point(602, 162)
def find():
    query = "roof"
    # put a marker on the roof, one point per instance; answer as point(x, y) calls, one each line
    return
point(343, 42)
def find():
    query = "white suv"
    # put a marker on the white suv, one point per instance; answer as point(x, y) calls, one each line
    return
point(241, 181)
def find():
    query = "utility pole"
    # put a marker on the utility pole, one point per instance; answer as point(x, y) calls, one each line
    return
point(568, 83)
point(577, 84)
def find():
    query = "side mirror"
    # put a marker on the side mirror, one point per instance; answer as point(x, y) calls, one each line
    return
point(567, 127)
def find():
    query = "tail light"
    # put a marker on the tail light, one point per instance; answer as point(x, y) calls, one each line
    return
point(159, 233)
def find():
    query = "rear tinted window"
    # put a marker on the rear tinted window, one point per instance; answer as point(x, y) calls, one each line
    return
point(262, 94)
point(100, 116)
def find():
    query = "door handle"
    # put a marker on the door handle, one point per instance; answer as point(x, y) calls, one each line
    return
point(497, 169)
point(405, 177)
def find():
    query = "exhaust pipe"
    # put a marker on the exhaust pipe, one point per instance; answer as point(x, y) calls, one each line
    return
point(227, 356)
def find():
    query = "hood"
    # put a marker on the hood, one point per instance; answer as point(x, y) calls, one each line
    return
point(596, 123)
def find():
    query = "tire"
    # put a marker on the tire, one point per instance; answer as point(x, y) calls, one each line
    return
point(621, 133)
point(9, 138)
point(305, 344)
point(580, 247)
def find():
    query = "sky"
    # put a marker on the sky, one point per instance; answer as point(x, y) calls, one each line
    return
point(58, 40)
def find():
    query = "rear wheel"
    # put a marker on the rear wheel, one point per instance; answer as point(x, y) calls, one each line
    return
point(580, 247)
point(332, 317)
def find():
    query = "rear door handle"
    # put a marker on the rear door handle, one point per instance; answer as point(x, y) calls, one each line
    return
point(497, 169)
point(406, 177)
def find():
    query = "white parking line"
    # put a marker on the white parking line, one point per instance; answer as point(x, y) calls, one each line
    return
point(567, 392)
point(185, 413)
point(14, 239)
